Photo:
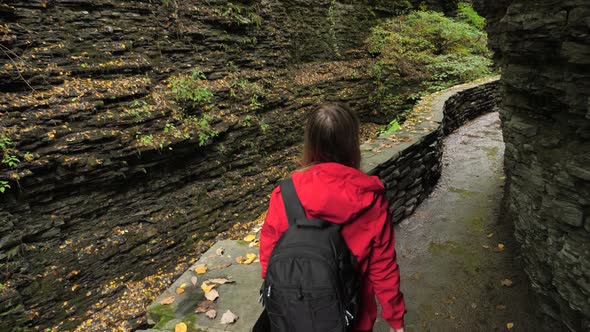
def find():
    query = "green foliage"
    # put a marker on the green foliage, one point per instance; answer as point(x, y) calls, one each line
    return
point(8, 153)
point(5, 142)
point(424, 34)
point(254, 103)
point(391, 128)
point(469, 15)
point(11, 161)
point(3, 186)
point(139, 109)
point(422, 52)
point(242, 15)
point(191, 89)
point(144, 140)
point(206, 132)
point(452, 69)
point(263, 126)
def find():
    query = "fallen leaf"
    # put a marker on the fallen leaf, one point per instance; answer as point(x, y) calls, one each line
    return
point(221, 266)
point(509, 325)
point(211, 313)
point(240, 260)
point(179, 290)
point(212, 295)
point(220, 281)
point(507, 283)
point(168, 300)
point(180, 327)
point(490, 235)
point(194, 280)
point(500, 307)
point(250, 259)
point(254, 243)
point(499, 248)
point(205, 287)
point(485, 246)
point(250, 238)
point(200, 269)
point(204, 306)
point(220, 251)
point(228, 318)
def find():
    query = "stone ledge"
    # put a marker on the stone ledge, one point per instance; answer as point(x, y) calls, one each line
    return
point(408, 161)
point(239, 297)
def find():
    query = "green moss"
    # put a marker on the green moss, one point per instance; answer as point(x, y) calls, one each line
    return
point(477, 224)
point(491, 151)
point(460, 191)
point(161, 313)
point(471, 260)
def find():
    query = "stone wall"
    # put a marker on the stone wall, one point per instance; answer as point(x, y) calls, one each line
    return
point(543, 48)
point(409, 161)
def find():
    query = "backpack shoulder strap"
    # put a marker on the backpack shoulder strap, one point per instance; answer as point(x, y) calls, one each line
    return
point(292, 203)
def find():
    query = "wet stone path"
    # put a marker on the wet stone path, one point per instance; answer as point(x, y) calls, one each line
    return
point(458, 259)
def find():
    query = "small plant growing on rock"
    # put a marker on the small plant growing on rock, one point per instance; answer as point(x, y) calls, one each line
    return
point(205, 132)
point(191, 89)
point(8, 157)
point(254, 103)
point(3, 186)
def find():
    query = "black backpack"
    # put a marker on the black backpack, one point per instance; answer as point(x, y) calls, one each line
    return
point(312, 279)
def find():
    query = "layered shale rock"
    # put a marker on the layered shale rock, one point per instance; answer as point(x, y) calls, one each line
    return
point(544, 51)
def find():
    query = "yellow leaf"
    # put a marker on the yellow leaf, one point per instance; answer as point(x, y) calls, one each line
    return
point(509, 325)
point(168, 300)
point(485, 246)
point(44, 5)
point(183, 285)
point(200, 269)
point(250, 258)
point(250, 238)
point(500, 248)
point(180, 327)
point(179, 290)
point(490, 235)
point(206, 287)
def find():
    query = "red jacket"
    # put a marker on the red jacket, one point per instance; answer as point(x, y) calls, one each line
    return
point(344, 195)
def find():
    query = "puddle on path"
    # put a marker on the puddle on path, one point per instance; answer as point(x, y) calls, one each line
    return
point(455, 251)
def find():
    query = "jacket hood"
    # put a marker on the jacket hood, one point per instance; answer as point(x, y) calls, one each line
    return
point(336, 193)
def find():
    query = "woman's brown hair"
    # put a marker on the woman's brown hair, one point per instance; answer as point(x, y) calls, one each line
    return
point(332, 135)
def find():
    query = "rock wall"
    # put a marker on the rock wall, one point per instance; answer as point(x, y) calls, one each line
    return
point(113, 178)
point(543, 48)
point(409, 161)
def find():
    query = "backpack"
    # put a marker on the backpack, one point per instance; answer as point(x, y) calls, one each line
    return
point(312, 279)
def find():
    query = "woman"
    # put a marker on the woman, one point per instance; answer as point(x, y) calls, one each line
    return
point(331, 187)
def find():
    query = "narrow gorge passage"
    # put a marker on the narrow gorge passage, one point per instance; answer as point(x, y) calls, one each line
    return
point(458, 259)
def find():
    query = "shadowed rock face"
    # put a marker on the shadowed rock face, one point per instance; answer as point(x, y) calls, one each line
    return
point(113, 178)
point(544, 52)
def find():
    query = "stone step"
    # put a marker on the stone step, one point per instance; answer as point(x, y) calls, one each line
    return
point(240, 297)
